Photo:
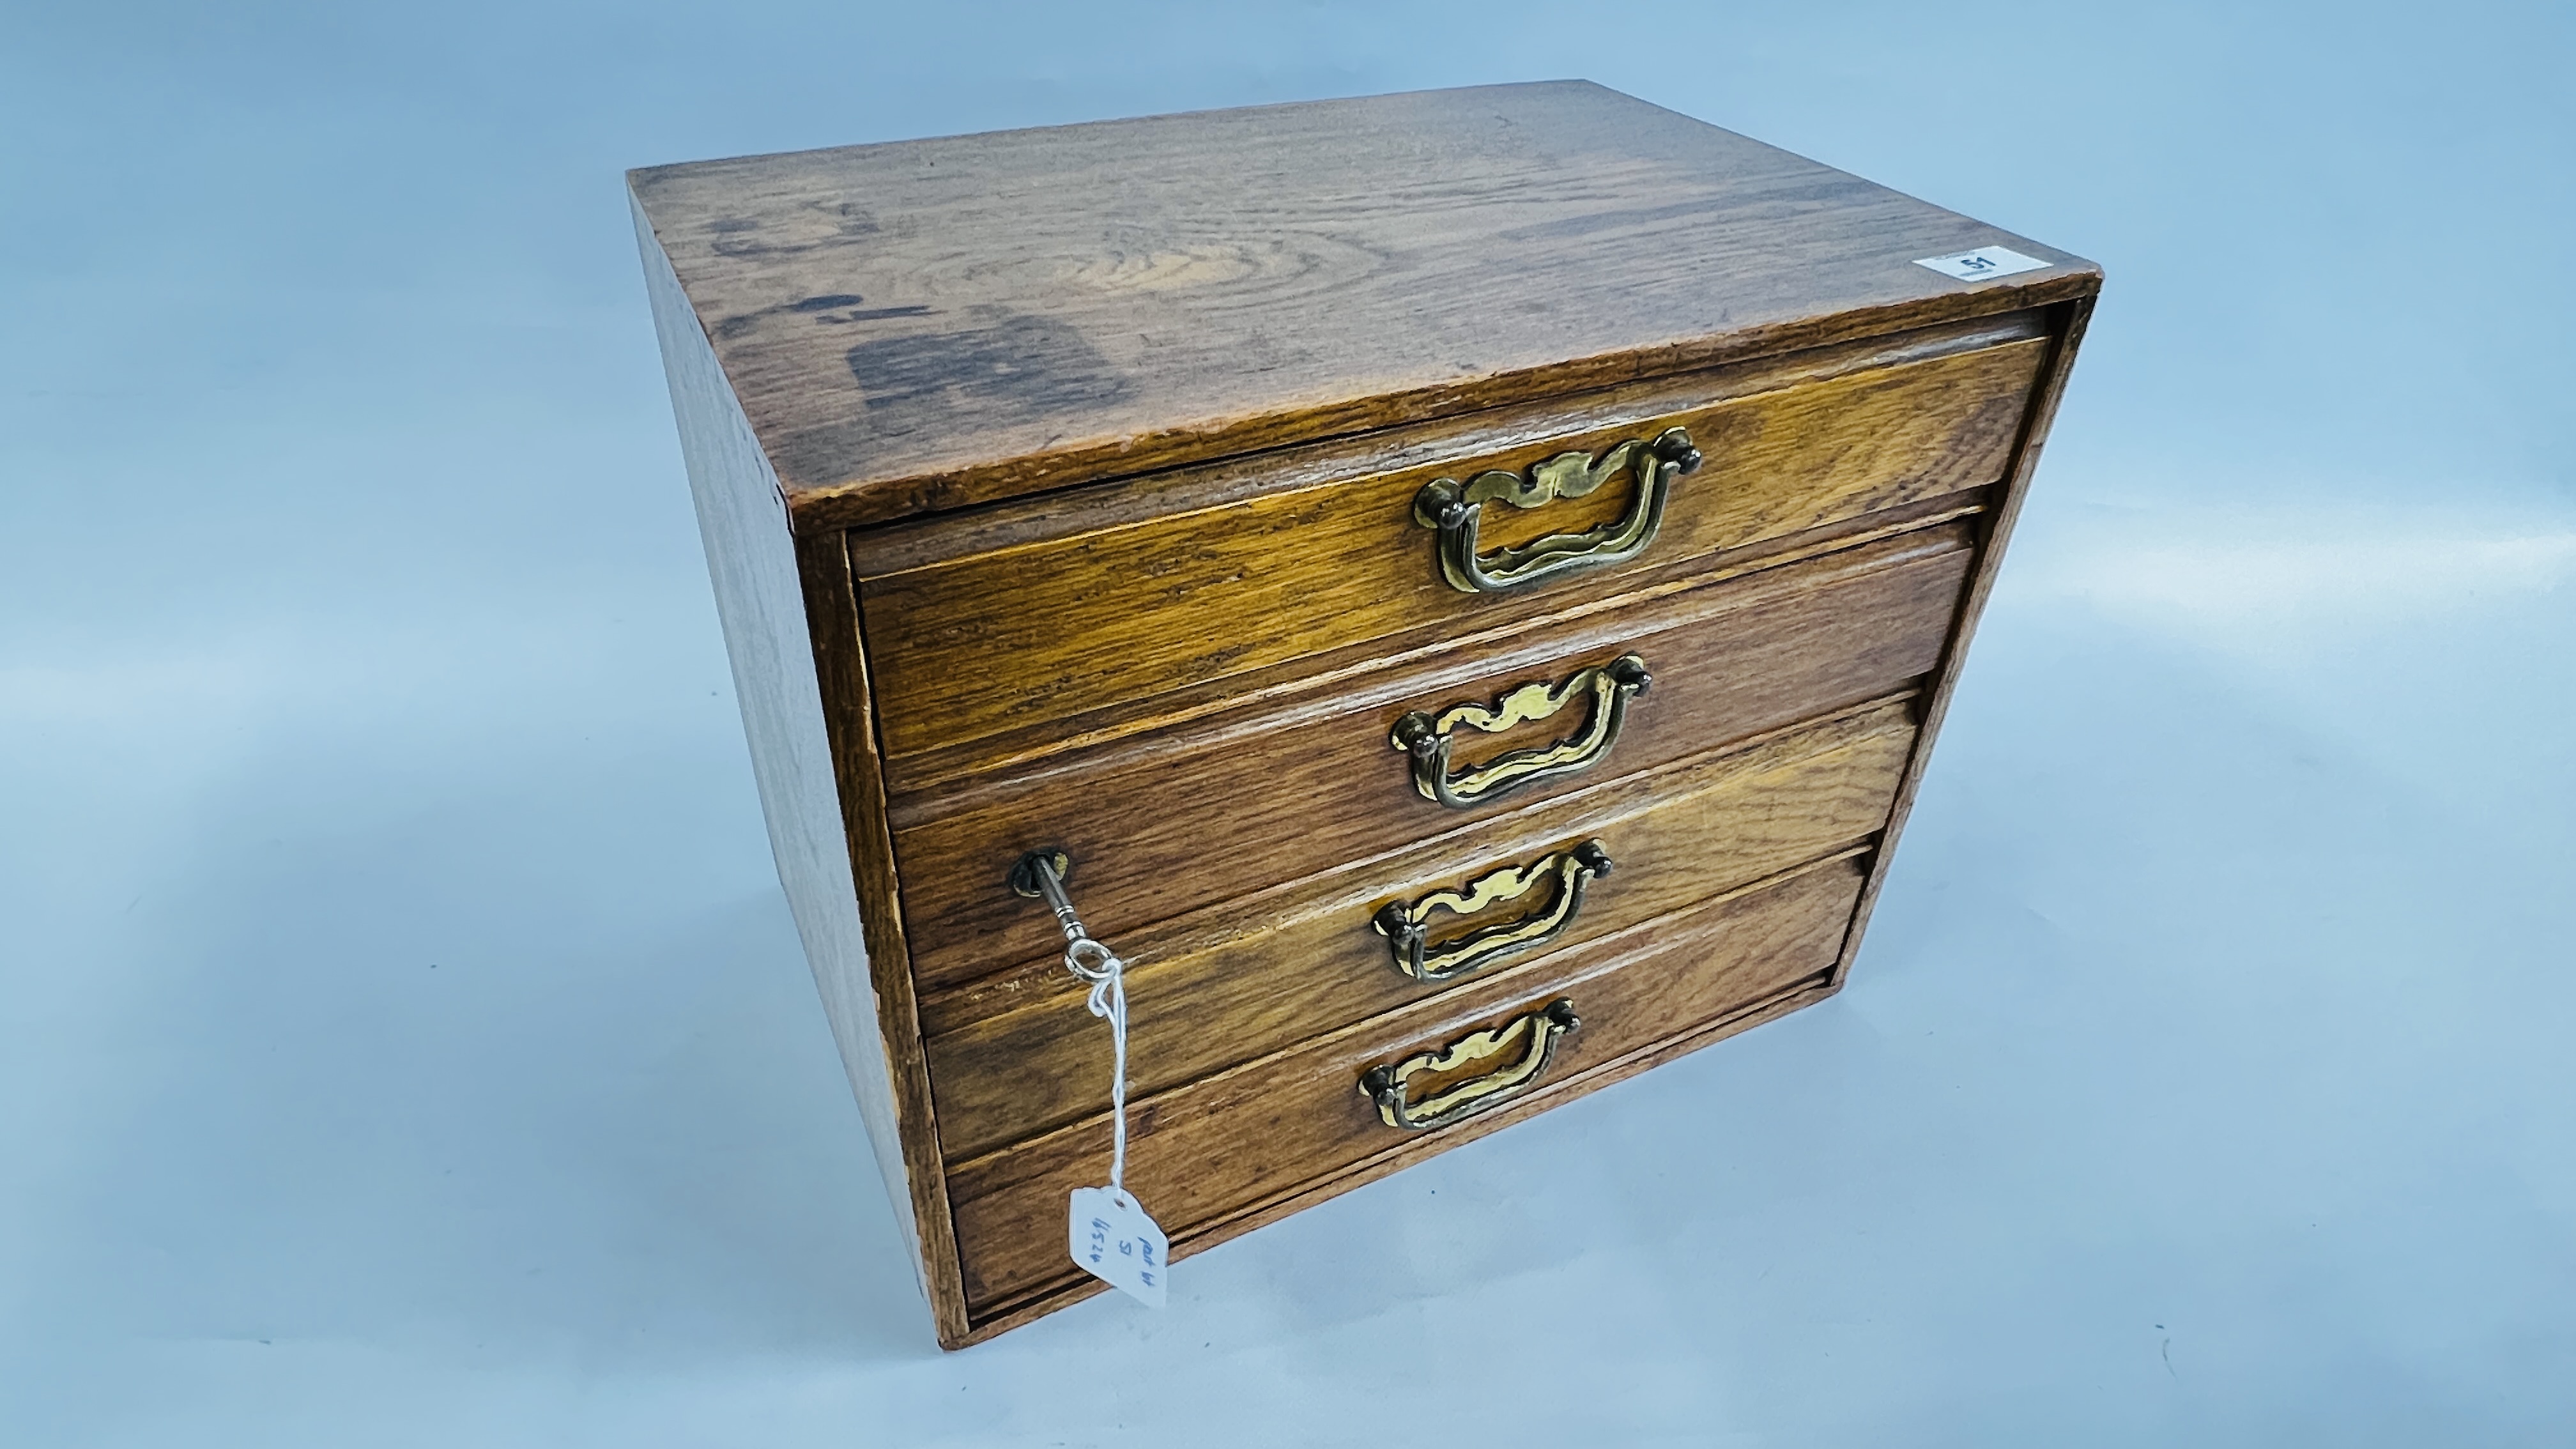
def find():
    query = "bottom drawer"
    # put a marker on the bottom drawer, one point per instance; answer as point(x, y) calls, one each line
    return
point(1227, 1145)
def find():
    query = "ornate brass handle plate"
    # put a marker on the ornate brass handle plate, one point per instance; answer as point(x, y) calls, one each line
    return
point(1525, 1043)
point(1428, 738)
point(1407, 924)
point(1455, 509)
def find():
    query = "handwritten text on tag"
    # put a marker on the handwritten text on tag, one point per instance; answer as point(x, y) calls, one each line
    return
point(1115, 1242)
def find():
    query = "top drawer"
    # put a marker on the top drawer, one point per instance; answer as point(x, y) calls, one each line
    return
point(1042, 612)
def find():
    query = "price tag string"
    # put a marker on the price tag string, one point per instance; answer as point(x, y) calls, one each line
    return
point(1108, 977)
point(1097, 964)
point(1110, 1234)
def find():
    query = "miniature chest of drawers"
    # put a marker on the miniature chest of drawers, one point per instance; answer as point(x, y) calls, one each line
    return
point(1464, 581)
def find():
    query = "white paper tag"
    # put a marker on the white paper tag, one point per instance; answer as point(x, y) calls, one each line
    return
point(1115, 1242)
point(1982, 263)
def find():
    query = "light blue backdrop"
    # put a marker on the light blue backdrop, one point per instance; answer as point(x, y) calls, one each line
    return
point(403, 1040)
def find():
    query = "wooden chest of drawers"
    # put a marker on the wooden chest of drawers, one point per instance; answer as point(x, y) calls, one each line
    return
point(1467, 579)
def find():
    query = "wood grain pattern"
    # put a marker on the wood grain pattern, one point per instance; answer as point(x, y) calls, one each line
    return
point(917, 543)
point(935, 782)
point(1230, 806)
point(831, 599)
point(789, 619)
point(1054, 629)
point(1240, 979)
point(1227, 1141)
point(1995, 533)
point(929, 324)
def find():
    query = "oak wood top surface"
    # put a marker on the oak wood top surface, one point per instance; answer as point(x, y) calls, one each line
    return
point(927, 324)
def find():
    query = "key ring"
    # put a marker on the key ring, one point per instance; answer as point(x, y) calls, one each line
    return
point(1090, 960)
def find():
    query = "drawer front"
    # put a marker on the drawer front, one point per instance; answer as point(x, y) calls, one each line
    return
point(1230, 1144)
point(1246, 978)
point(1048, 630)
point(1221, 809)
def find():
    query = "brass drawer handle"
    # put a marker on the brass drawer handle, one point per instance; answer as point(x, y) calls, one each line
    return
point(1407, 924)
point(1428, 738)
point(1532, 1036)
point(1455, 509)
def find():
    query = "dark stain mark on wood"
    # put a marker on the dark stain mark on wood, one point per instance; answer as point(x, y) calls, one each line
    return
point(923, 383)
point(824, 308)
point(877, 314)
point(1030, 364)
